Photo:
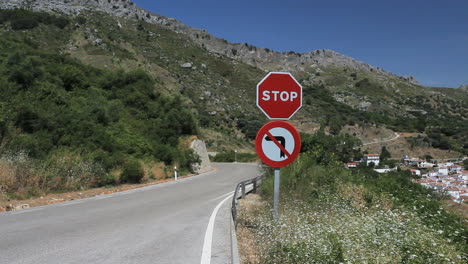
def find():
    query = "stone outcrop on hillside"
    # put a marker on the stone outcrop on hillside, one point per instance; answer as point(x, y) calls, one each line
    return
point(464, 87)
point(260, 57)
point(199, 148)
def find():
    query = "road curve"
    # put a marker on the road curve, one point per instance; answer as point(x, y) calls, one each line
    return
point(163, 223)
point(395, 137)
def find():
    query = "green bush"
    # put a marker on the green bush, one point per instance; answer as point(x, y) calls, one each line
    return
point(132, 172)
point(22, 19)
point(24, 23)
point(230, 156)
point(52, 103)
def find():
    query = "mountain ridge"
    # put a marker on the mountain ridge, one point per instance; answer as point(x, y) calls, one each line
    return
point(262, 58)
point(220, 90)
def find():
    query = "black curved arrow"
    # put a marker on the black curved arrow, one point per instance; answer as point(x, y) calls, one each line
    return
point(281, 140)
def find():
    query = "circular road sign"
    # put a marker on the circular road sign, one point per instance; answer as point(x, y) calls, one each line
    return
point(279, 95)
point(278, 143)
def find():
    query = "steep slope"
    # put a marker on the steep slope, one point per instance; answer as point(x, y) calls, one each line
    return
point(218, 78)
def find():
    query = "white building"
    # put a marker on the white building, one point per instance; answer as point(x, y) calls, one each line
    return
point(374, 158)
point(425, 164)
point(441, 170)
point(455, 169)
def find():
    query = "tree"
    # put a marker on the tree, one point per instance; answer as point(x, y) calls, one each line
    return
point(384, 155)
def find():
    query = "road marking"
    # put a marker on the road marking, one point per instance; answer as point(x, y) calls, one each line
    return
point(26, 211)
point(102, 197)
point(224, 195)
point(383, 141)
point(69, 203)
point(206, 253)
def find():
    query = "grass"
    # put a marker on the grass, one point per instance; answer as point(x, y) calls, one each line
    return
point(332, 215)
point(335, 231)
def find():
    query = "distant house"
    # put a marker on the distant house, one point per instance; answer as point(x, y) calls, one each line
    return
point(415, 162)
point(351, 165)
point(453, 191)
point(455, 169)
point(374, 158)
point(447, 164)
point(441, 170)
point(464, 175)
point(425, 165)
point(415, 172)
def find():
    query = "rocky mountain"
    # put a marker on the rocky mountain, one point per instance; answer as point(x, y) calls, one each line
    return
point(217, 79)
point(259, 57)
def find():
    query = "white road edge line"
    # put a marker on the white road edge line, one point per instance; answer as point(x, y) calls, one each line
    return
point(206, 253)
point(219, 197)
point(26, 211)
point(69, 203)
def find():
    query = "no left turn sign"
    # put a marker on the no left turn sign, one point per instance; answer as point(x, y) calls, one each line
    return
point(278, 143)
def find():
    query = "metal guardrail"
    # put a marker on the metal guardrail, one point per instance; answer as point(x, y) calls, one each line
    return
point(240, 193)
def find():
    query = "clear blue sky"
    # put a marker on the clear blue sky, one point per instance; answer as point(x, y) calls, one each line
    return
point(427, 39)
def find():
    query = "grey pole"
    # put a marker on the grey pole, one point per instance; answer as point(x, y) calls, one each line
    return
point(276, 194)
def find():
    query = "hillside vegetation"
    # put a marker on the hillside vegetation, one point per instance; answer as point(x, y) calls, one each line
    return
point(221, 90)
point(107, 93)
point(66, 125)
point(333, 215)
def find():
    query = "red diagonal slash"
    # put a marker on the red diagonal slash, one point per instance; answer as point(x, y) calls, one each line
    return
point(278, 144)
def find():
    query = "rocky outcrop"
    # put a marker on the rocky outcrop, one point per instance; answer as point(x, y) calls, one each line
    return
point(10, 207)
point(199, 148)
point(259, 57)
point(464, 87)
point(410, 79)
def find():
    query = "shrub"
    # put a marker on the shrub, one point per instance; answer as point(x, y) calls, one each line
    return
point(22, 19)
point(132, 172)
point(107, 179)
point(24, 23)
point(230, 156)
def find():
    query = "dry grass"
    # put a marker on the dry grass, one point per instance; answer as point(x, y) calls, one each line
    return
point(52, 198)
point(247, 244)
point(20, 178)
point(248, 241)
point(116, 174)
point(157, 170)
point(457, 208)
point(7, 175)
point(401, 147)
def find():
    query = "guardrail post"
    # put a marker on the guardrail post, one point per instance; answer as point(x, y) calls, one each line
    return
point(242, 188)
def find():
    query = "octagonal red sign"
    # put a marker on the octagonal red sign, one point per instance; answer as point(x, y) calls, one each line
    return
point(279, 95)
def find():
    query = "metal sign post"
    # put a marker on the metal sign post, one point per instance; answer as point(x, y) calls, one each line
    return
point(276, 194)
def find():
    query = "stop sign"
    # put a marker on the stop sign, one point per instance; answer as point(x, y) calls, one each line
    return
point(279, 95)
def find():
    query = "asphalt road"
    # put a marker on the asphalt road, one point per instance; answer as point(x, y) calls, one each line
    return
point(163, 223)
